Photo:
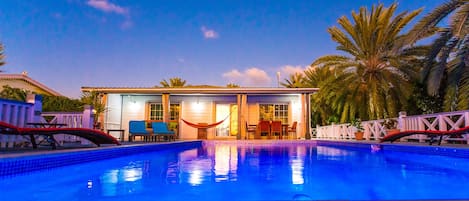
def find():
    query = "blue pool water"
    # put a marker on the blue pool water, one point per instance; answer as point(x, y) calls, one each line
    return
point(224, 171)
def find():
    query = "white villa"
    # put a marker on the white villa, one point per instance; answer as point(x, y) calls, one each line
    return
point(236, 107)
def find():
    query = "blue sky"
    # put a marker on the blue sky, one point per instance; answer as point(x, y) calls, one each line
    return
point(67, 44)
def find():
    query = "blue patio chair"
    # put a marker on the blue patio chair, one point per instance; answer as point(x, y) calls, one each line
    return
point(161, 131)
point(138, 128)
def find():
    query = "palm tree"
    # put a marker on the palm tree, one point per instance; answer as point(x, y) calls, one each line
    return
point(174, 82)
point(446, 72)
point(2, 56)
point(232, 85)
point(321, 112)
point(373, 76)
point(294, 81)
point(95, 99)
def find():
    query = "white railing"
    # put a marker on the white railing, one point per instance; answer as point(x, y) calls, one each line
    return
point(16, 113)
point(375, 129)
point(336, 132)
point(71, 119)
point(446, 121)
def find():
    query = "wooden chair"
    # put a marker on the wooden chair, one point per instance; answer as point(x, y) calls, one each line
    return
point(263, 129)
point(250, 129)
point(292, 130)
point(276, 129)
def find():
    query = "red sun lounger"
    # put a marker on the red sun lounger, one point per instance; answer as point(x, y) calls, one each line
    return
point(432, 134)
point(95, 136)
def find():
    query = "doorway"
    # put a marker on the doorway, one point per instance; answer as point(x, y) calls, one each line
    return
point(228, 113)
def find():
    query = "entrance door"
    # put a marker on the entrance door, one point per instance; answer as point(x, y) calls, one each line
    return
point(228, 113)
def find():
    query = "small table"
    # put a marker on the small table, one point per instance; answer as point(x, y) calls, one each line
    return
point(47, 138)
point(46, 125)
point(120, 131)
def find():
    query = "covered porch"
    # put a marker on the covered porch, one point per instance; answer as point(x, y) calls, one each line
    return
point(223, 113)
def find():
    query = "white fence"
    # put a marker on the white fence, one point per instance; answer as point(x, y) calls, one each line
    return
point(375, 129)
point(16, 113)
point(20, 113)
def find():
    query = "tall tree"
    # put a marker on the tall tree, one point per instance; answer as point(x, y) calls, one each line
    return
point(375, 69)
point(174, 82)
point(446, 72)
point(294, 81)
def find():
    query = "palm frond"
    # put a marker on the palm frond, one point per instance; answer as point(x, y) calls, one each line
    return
point(430, 21)
point(460, 21)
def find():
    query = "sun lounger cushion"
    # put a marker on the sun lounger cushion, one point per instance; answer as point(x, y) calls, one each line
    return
point(160, 128)
point(137, 127)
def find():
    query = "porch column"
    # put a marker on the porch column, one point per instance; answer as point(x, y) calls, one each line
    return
point(308, 115)
point(238, 103)
point(243, 110)
point(304, 120)
point(165, 103)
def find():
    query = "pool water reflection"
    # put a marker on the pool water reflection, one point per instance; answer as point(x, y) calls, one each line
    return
point(224, 171)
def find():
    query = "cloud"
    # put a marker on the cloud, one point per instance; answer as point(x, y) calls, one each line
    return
point(209, 33)
point(127, 23)
point(288, 70)
point(252, 77)
point(106, 6)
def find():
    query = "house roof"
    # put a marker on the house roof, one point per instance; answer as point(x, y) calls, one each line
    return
point(202, 90)
point(24, 77)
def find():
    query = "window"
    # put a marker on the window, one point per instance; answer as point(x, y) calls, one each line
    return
point(272, 112)
point(174, 112)
point(155, 111)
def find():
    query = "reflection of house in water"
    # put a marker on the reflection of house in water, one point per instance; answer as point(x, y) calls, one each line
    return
point(234, 107)
point(127, 180)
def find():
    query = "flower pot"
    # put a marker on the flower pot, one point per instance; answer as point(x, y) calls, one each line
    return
point(359, 135)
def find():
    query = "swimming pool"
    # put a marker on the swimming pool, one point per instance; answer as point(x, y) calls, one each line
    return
point(223, 170)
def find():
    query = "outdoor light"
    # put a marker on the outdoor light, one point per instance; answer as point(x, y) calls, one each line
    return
point(90, 184)
point(278, 79)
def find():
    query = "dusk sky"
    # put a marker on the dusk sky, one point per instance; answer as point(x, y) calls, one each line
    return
point(67, 44)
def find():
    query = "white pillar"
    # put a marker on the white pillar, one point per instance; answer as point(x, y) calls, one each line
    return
point(88, 117)
point(35, 115)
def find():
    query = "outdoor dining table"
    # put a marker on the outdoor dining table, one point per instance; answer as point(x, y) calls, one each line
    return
point(283, 133)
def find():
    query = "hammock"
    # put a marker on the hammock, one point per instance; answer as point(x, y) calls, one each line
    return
point(205, 126)
point(202, 126)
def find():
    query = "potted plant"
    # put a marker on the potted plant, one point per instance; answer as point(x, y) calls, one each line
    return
point(391, 126)
point(357, 123)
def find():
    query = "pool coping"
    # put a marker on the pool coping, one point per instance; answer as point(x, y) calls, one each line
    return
point(419, 148)
point(15, 164)
point(19, 163)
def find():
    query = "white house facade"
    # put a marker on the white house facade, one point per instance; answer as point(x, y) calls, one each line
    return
point(233, 108)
